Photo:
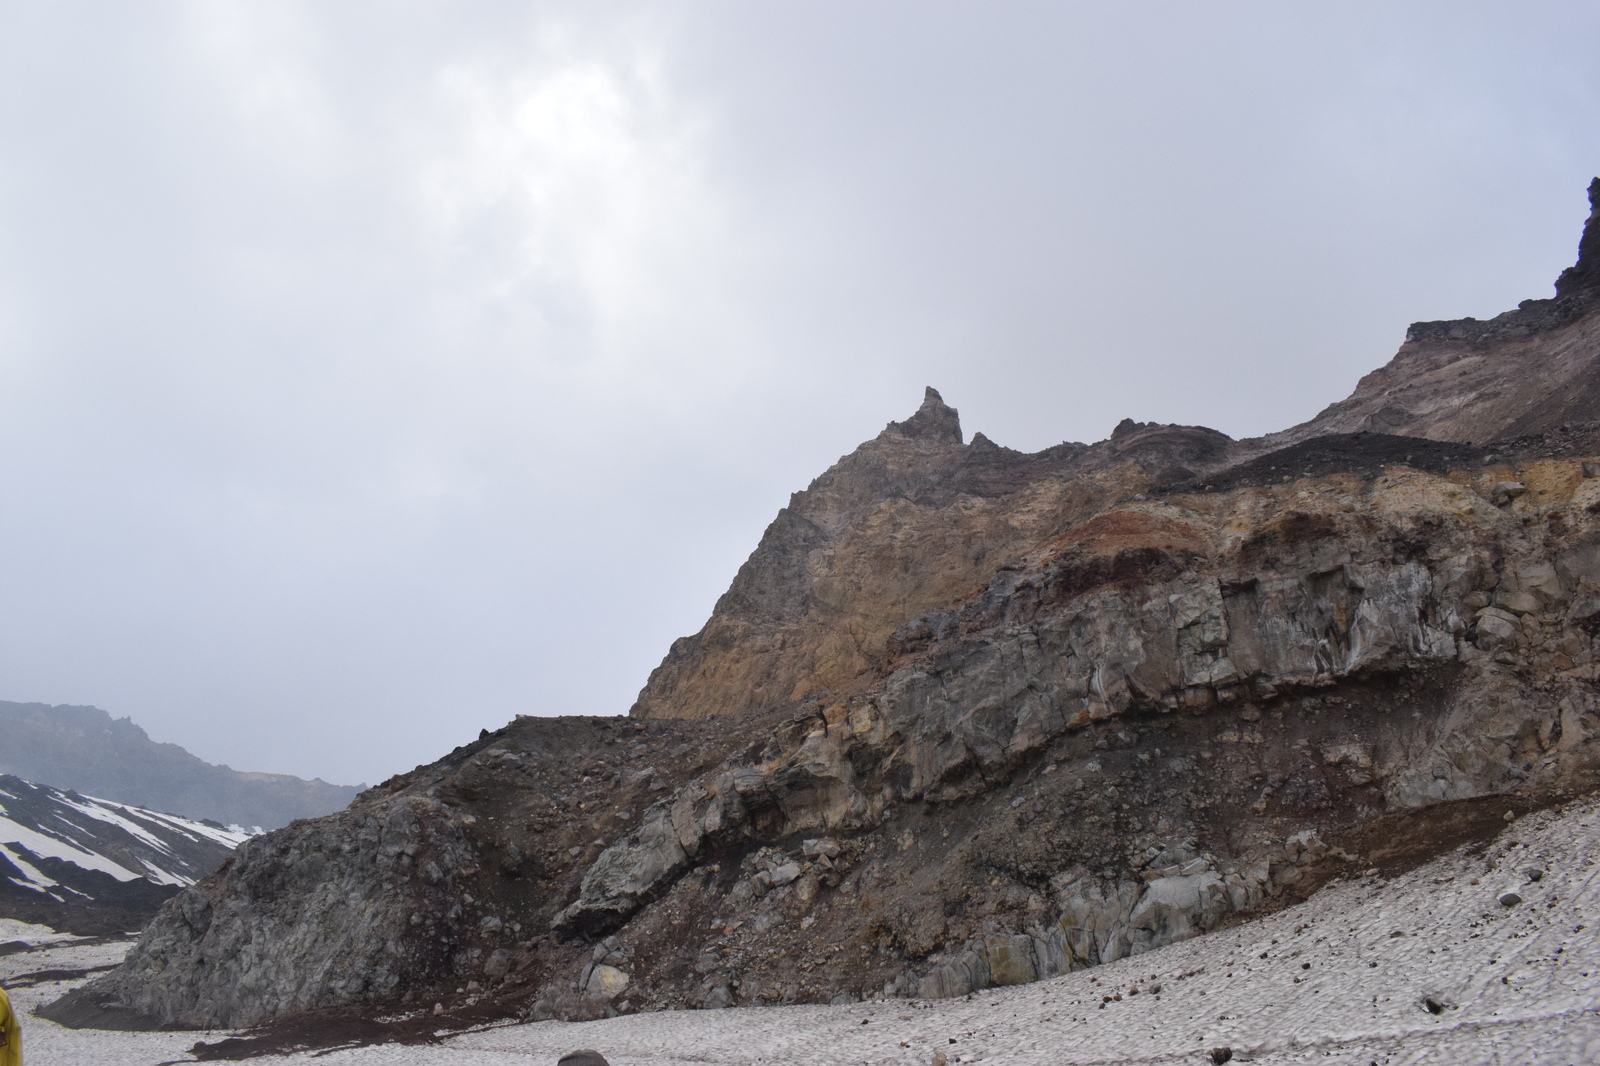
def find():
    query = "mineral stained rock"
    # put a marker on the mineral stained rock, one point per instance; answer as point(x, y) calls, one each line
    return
point(969, 717)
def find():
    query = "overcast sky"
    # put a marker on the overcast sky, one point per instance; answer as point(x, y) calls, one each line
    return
point(373, 372)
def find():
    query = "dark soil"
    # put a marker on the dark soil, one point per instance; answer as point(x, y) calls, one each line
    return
point(1367, 454)
point(34, 977)
point(1400, 841)
point(1364, 454)
point(333, 1030)
point(1574, 439)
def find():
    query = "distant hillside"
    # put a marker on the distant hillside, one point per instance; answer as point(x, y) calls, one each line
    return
point(86, 866)
point(84, 748)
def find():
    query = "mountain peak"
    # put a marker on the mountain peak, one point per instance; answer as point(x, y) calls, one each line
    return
point(935, 420)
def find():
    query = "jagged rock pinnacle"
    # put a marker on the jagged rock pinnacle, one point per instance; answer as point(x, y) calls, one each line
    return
point(1583, 277)
point(935, 420)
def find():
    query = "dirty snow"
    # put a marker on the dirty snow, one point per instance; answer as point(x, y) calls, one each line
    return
point(54, 847)
point(116, 814)
point(1345, 978)
point(30, 933)
point(54, 844)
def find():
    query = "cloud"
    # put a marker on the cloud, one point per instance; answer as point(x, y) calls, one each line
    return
point(370, 373)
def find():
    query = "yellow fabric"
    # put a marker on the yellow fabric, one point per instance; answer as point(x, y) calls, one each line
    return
point(11, 1053)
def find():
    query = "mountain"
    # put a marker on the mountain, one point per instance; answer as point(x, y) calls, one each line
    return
point(971, 717)
point(915, 519)
point(89, 866)
point(84, 748)
point(1529, 370)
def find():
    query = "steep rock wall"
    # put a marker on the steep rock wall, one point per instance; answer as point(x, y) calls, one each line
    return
point(1155, 722)
point(911, 520)
point(971, 717)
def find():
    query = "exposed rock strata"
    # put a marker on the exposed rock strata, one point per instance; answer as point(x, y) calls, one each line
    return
point(911, 520)
point(914, 519)
point(966, 717)
point(1152, 724)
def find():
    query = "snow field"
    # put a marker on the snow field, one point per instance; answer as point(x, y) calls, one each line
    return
point(53, 844)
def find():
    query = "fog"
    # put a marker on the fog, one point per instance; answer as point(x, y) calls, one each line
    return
point(371, 373)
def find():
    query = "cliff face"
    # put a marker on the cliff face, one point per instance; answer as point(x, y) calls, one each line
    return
point(969, 717)
point(910, 521)
point(914, 520)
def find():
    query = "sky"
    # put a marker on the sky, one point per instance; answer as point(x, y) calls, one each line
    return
point(371, 372)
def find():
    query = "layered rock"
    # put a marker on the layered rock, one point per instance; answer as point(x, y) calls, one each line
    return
point(969, 717)
point(1123, 741)
point(911, 520)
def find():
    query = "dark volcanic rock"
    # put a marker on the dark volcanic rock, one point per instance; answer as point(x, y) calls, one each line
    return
point(584, 1057)
point(1364, 454)
point(971, 718)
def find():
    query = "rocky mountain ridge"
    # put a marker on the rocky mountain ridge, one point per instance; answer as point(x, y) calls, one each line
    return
point(969, 717)
point(84, 748)
point(90, 866)
point(915, 519)
point(1527, 371)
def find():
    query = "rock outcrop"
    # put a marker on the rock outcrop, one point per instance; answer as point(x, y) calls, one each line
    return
point(968, 718)
point(911, 520)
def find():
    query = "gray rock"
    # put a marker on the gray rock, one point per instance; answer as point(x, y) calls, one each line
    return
point(1010, 959)
point(627, 874)
point(1504, 492)
point(606, 982)
point(583, 1057)
point(299, 923)
point(1176, 908)
point(823, 847)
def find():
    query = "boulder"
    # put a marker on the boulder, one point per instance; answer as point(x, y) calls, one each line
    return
point(583, 1057)
point(606, 981)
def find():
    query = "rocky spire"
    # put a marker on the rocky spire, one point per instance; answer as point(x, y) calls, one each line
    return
point(1582, 280)
point(935, 421)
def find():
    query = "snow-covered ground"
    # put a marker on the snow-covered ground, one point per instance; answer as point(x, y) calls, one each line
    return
point(1344, 978)
point(40, 823)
